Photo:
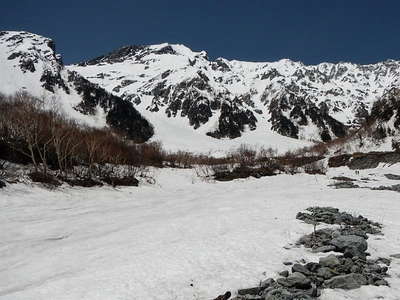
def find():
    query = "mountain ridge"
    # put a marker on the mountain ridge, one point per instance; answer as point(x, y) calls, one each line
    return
point(196, 103)
point(290, 95)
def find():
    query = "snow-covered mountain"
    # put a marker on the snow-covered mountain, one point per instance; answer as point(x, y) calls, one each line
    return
point(28, 62)
point(230, 97)
point(198, 104)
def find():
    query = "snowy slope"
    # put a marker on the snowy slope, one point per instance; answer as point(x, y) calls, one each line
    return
point(28, 62)
point(180, 239)
point(228, 99)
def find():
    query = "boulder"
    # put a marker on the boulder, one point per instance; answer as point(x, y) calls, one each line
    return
point(326, 273)
point(324, 249)
point(346, 282)
point(300, 269)
point(312, 266)
point(249, 291)
point(329, 261)
point(225, 296)
point(278, 294)
point(381, 282)
point(296, 280)
point(392, 176)
point(267, 283)
point(344, 242)
point(2, 184)
point(284, 273)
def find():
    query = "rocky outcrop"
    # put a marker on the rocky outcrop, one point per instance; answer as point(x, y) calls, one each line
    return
point(121, 115)
point(233, 121)
point(306, 280)
point(116, 56)
point(385, 114)
point(330, 215)
point(291, 114)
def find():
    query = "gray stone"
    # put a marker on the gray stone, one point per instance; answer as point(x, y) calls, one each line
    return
point(392, 176)
point(301, 269)
point(342, 178)
point(313, 266)
point(267, 283)
point(353, 252)
point(381, 282)
point(346, 282)
point(284, 273)
point(395, 255)
point(324, 249)
point(297, 280)
point(355, 269)
point(278, 294)
point(326, 273)
point(249, 291)
point(344, 185)
point(395, 188)
point(344, 242)
point(329, 261)
point(384, 260)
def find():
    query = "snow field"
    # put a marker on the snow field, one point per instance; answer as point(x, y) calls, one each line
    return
point(181, 238)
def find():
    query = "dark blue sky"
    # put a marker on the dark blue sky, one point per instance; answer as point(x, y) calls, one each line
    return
point(312, 31)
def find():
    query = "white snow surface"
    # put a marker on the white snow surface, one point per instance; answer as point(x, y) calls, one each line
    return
point(182, 238)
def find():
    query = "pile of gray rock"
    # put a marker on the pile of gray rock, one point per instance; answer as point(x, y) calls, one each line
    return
point(330, 215)
point(349, 270)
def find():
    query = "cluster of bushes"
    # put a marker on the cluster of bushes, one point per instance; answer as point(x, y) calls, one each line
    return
point(32, 132)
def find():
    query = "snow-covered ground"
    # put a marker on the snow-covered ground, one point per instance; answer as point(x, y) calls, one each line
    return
point(181, 238)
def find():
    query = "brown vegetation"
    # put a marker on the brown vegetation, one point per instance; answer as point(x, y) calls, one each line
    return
point(32, 133)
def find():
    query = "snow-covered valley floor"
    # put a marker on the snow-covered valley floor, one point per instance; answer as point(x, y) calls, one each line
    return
point(181, 238)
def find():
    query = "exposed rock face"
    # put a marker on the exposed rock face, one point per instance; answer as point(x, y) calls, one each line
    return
point(385, 113)
point(291, 112)
point(233, 121)
point(40, 71)
point(121, 115)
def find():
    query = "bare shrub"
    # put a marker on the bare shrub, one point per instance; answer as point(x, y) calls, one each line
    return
point(317, 167)
point(245, 155)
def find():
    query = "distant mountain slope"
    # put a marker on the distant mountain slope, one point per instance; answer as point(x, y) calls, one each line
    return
point(178, 96)
point(28, 62)
point(225, 98)
point(385, 114)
